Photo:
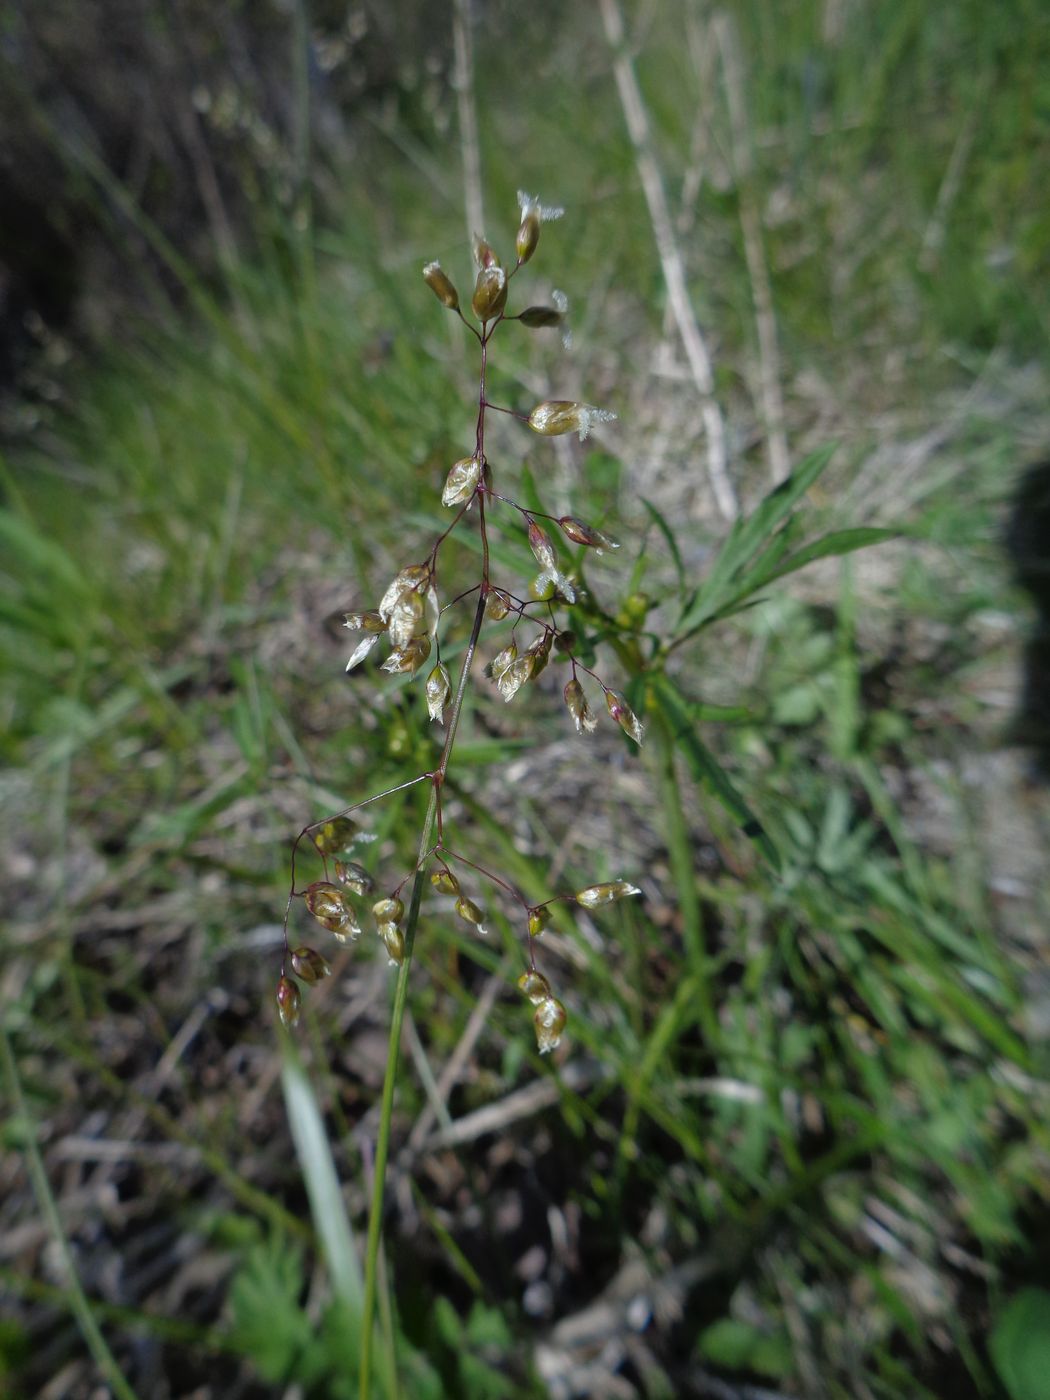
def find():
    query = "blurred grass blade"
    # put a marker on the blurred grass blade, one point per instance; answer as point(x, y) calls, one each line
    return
point(746, 538)
point(672, 544)
point(322, 1182)
point(706, 769)
point(35, 552)
point(828, 546)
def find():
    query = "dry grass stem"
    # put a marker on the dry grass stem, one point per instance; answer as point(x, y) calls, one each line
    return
point(467, 112)
point(724, 28)
point(671, 261)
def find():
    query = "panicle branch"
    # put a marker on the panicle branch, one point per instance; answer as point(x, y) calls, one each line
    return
point(409, 619)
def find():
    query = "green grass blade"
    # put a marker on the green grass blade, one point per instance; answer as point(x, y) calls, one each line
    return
point(746, 538)
point(321, 1179)
point(838, 542)
point(707, 770)
point(672, 544)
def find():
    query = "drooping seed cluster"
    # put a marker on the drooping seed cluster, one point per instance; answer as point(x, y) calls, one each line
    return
point(409, 618)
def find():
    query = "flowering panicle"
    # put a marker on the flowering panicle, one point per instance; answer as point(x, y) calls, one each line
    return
point(408, 620)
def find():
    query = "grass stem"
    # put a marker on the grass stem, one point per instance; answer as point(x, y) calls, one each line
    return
point(398, 1017)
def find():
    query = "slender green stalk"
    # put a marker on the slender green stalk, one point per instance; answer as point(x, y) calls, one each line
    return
point(398, 1016)
point(77, 1298)
point(680, 852)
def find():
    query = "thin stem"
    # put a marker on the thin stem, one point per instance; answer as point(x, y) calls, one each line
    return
point(77, 1298)
point(398, 1016)
point(512, 412)
point(495, 879)
point(680, 853)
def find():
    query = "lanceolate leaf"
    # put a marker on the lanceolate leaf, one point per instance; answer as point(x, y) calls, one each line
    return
point(706, 769)
point(745, 540)
point(828, 546)
point(672, 544)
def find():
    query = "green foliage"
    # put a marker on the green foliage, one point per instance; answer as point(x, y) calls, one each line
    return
point(737, 1346)
point(266, 1319)
point(1020, 1345)
point(808, 1049)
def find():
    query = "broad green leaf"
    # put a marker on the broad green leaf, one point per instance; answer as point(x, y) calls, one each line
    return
point(706, 769)
point(1020, 1345)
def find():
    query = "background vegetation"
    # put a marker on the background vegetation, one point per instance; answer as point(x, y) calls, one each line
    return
point(796, 1140)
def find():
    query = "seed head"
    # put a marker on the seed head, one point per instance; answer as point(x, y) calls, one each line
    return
point(407, 618)
point(439, 692)
point(539, 918)
point(362, 649)
point(532, 215)
point(549, 1020)
point(541, 546)
point(576, 702)
point(580, 533)
point(462, 481)
point(540, 651)
point(388, 911)
point(624, 716)
point(534, 985)
point(366, 621)
point(289, 1001)
point(336, 837)
point(355, 877)
point(484, 254)
point(490, 293)
point(438, 282)
point(596, 895)
point(538, 317)
point(513, 677)
point(501, 661)
point(445, 882)
point(471, 913)
point(394, 942)
point(555, 416)
point(497, 605)
point(332, 910)
point(543, 587)
point(413, 579)
point(408, 658)
point(551, 583)
point(310, 965)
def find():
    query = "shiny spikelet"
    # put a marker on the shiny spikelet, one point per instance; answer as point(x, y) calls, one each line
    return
point(440, 285)
point(336, 837)
point(596, 895)
point(624, 716)
point(310, 966)
point(462, 481)
point(331, 908)
point(549, 1019)
point(470, 913)
point(289, 1001)
point(438, 692)
point(576, 703)
point(534, 986)
point(556, 416)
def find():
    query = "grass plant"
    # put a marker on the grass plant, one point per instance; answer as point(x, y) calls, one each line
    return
point(801, 1106)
